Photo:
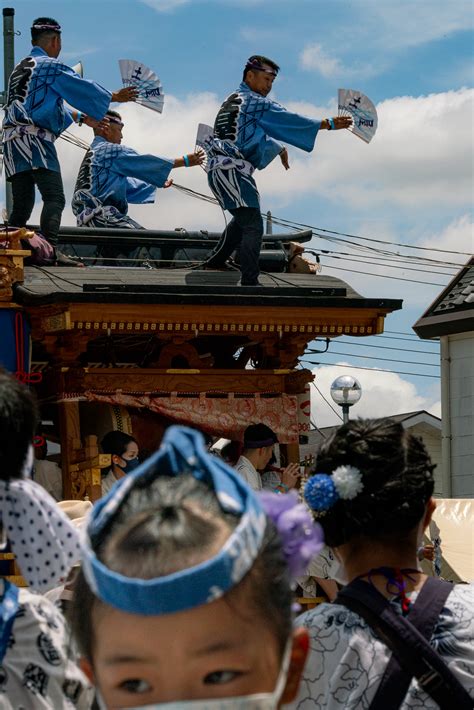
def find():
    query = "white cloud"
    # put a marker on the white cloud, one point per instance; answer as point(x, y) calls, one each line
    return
point(315, 58)
point(165, 5)
point(420, 158)
point(457, 236)
point(406, 23)
point(383, 394)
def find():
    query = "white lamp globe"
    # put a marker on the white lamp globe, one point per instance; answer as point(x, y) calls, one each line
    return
point(346, 390)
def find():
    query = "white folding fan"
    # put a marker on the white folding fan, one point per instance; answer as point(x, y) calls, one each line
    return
point(362, 110)
point(204, 137)
point(150, 90)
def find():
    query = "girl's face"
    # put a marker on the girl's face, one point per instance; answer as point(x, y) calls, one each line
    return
point(212, 651)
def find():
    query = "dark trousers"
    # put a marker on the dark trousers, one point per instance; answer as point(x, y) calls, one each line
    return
point(243, 233)
point(50, 186)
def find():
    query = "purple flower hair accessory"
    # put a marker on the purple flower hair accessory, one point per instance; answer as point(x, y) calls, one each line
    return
point(301, 537)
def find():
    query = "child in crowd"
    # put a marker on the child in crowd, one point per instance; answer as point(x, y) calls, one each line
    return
point(185, 592)
point(373, 647)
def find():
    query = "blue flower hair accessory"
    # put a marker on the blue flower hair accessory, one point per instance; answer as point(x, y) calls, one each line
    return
point(322, 491)
point(301, 537)
point(182, 452)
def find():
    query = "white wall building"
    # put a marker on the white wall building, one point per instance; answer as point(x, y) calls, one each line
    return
point(451, 319)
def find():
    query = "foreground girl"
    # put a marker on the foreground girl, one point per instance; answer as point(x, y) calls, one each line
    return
point(185, 593)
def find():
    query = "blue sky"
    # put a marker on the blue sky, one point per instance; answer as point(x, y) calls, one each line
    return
point(411, 185)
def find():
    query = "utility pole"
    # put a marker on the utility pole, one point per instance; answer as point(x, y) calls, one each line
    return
point(8, 66)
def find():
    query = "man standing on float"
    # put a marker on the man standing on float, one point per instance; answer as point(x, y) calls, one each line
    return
point(246, 131)
point(35, 115)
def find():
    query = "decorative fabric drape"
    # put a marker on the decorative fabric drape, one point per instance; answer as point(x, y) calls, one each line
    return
point(225, 416)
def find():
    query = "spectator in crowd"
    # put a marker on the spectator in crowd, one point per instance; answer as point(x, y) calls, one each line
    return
point(123, 449)
point(372, 497)
point(259, 442)
point(47, 473)
point(36, 669)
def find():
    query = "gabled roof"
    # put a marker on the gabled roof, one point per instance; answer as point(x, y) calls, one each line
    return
point(408, 420)
point(453, 310)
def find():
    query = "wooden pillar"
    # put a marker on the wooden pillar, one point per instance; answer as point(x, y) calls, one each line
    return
point(70, 435)
point(289, 453)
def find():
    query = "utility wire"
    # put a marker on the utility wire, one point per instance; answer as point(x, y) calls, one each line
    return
point(386, 347)
point(386, 359)
point(385, 276)
point(327, 401)
point(370, 369)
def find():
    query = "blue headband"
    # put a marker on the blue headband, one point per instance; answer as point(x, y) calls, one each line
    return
point(181, 452)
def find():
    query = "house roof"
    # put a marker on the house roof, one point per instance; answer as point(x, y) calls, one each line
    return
point(453, 310)
point(407, 419)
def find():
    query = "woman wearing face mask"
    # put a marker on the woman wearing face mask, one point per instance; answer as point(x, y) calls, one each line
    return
point(185, 596)
point(394, 638)
point(124, 452)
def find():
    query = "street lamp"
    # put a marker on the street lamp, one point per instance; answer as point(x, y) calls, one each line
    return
point(346, 391)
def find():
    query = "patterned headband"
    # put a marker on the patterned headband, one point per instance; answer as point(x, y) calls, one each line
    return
point(256, 65)
point(114, 119)
point(260, 444)
point(54, 28)
point(181, 452)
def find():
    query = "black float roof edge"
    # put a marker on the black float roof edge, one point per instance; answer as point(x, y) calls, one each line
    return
point(301, 297)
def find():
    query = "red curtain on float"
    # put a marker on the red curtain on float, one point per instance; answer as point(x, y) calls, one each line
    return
point(226, 416)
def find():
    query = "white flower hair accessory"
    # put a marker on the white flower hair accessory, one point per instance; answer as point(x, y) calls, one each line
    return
point(323, 490)
point(348, 482)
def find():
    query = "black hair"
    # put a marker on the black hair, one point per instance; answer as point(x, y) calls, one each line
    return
point(168, 526)
point(116, 442)
point(258, 59)
point(113, 114)
point(397, 475)
point(41, 34)
point(18, 423)
point(259, 432)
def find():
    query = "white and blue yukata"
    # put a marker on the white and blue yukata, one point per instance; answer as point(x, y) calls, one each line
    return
point(38, 667)
point(110, 177)
point(246, 134)
point(35, 115)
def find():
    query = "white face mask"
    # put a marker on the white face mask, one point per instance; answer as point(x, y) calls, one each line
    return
point(257, 701)
point(335, 570)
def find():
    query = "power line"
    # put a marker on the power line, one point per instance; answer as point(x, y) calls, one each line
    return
point(408, 340)
point(371, 239)
point(370, 369)
point(385, 359)
point(385, 276)
point(327, 402)
point(386, 347)
point(387, 265)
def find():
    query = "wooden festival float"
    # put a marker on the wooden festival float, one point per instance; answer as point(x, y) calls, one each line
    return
point(140, 348)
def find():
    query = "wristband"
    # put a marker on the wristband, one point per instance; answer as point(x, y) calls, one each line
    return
point(79, 118)
point(186, 161)
point(332, 125)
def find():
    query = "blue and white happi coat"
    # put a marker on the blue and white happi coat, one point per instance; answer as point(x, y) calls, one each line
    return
point(246, 134)
point(112, 176)
point(35, 112)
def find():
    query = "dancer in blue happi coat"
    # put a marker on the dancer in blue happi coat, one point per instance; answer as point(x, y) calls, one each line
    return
point(113, 175)
point(247, 129)
point(36, 114)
